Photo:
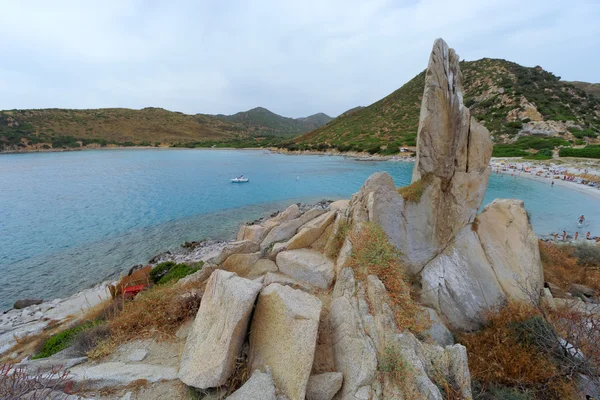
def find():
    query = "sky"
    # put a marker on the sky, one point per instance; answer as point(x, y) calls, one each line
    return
point(294, 57)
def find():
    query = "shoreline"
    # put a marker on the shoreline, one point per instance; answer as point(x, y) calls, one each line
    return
point(39, 151)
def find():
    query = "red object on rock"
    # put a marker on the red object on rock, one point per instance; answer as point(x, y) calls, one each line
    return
point(133, 290)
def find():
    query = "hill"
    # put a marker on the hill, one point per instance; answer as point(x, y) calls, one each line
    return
point(261, 121)
point(512, 101)
point(26, 130)
point(589, 88)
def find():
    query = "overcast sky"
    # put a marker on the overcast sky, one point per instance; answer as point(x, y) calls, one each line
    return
point(293, 57)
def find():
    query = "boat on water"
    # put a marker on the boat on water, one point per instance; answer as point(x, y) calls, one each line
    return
point(240, 179)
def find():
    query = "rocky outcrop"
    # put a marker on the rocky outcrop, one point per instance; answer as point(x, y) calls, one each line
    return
point(354, 352)
point(257, 232)
point(466, 265)
point(260, 386)
point(324, 386)
point(311, 231)
point(306, 265)
point(286, 230)
point(239, 247)
point(283, 337)
point(219, 330)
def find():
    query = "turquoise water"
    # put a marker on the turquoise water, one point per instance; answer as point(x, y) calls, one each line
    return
point(70, 220)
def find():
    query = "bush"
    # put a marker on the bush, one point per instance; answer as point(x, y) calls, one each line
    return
point(61, 340)
point(509, 352)
point(169, 271)
point(562, 267)
point(586, 152)
point(373, 254)
point(502, 150)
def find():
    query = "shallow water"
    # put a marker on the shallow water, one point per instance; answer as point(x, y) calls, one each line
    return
point(69, 220)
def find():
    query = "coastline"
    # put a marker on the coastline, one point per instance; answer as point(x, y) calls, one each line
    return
point(38, 151)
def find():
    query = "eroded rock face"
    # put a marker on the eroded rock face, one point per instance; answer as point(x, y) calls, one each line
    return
point(512, 248)
point(219, 329)
point(286, 230)
point(239, 247)
point(283, 337)
point(306, 265)
point(260, 386)
point(324, 386)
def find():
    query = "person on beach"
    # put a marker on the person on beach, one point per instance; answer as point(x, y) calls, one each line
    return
point(564, 237)
point(555, 236)
point(588, 236)
point(576, 235)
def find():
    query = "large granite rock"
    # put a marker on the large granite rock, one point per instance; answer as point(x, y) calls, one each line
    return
point(219, 329)
point(241, 264)
point(286, 230)
point(260, 386)
point(283, 337)
point(354, 352)
point(512, 248)
point(257, 232)
point(306, 265)
point(239, 247)
point(324, 386)
point(311, 231)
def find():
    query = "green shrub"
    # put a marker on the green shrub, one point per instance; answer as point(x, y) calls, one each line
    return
point(170, 271)
point(504, 150)
point(586, 152)
point(61, 340)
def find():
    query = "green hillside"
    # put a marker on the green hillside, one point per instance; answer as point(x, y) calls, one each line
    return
point(261, 121)
point(30, 130)
point(512, 101)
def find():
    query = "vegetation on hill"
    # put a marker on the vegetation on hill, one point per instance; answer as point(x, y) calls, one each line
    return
point(23, 130)
point(263, 122)
point(589, 88)
point(512, 101)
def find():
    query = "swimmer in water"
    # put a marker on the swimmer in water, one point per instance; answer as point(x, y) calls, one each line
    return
point(564, 237)
point(576, 235)
point(588, 236)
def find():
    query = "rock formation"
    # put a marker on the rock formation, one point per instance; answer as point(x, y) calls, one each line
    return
point(466, 263)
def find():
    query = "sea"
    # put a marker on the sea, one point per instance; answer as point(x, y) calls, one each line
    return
point(69, 220)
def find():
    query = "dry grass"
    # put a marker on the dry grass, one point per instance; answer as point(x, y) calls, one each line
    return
point(372, 253)
point(338, 239)
point(563, 267)
point(414, 191)
point(504, 353)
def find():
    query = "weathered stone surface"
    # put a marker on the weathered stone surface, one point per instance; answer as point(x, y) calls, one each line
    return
point(321, 242)
point(306, 265)
point(343, 256)
point(262, 267)
point(461, 283)
point(197, 277)
point(340, 205)
point(290, 213)
point(511, 248)
point(260, 386)
point(241, 264)
point(324, 386)
point(219, 329)
point(286, 230)
point(273, 277)
point(115, 374)
point(239, 247)
point(354, 353)
point(311, 231)
point(581, 290)
point(438, 330)
point(26, 303)
point(283, 337)
point(255, 233)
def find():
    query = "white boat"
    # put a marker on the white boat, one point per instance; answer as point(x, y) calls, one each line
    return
point(240, 179)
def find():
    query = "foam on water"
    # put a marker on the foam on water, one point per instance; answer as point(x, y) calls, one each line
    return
point(69, 220)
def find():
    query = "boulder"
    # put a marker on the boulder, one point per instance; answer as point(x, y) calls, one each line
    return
point(262, 267)
point(283, 337)
point(511, 248)
point(324, 386)
point(286, 230)
point(115, 374)
point(353, 351)
point(219, 329)
point(254, 233)
point(438, 330)
point(461, 283)
point(308, 266)
point(340, 205)
point(290, 213)
point(260, 386)
point(23, 303)
point(239, 247)
point(197, 277)
point(273, 277)
point(241, 264)
point(311, 231)
point(581, 290)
